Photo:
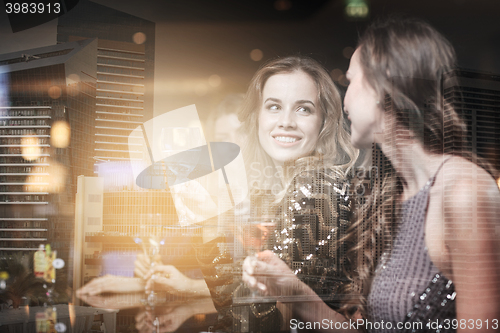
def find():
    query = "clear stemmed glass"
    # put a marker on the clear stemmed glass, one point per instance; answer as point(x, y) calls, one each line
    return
point(151, 247)
point(257, 238)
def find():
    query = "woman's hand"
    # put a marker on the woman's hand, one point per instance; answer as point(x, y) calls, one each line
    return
point(272, 276)
point(142, 264)
point(111, 284)
point(114, 301)
point(168, 278)
point(171, 317)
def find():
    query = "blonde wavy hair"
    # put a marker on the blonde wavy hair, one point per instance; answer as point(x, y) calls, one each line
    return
point(334, 144)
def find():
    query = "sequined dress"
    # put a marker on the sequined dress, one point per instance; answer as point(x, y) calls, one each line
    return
point(408, 287)
point(313, 216)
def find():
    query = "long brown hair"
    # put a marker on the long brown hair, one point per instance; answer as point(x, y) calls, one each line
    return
point(404, 61)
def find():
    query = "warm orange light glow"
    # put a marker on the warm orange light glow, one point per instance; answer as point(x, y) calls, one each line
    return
point(73, 78)
point(256, 55)
point(200, 317)
point(498, 182)
point(57, 177)
point(214, 80)
point(30, 149)
point(185, 86)
point(60, 134)
point(72, 316)
point(139, 38)
point(55, 92)
point(54, 182)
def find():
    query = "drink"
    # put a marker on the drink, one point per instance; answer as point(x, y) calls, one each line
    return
point(40, 262)
point(257, 235)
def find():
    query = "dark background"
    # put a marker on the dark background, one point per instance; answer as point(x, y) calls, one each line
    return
point(198, 39)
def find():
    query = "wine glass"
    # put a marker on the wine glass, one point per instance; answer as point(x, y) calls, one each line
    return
point(256, 238)
point(151, 248)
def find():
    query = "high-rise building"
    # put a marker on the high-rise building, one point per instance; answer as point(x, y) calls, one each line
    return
point(476, 98)
point(124, 101)
point(46, 123)
point(125, 73)
point(88, 218)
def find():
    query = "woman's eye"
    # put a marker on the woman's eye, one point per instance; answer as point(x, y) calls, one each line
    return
point(302, 109)
point(273, 107)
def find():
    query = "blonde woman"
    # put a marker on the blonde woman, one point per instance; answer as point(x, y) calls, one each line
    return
point(295, 135)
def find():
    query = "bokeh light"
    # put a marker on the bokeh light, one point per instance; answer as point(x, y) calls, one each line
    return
point(347, 52)
point(139, 38)
point(52, 181)
point(4, 275)
point(55, 92)
point(60, 134)
point(72, 314)
point(30, 149)
point(336, 73)
point(57, 177)
point(282, 5)
point(357, 9)
point(256, 55)
point(214, 80)
point(200, 317)
point(73, 78)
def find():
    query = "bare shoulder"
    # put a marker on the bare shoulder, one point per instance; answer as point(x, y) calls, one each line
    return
point(471, 199)
point(471, 234)
point(465, 182)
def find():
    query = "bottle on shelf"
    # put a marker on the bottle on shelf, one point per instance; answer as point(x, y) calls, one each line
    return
point(40, 262)
point(50, 271)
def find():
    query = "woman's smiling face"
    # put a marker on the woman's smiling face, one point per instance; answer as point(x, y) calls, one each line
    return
point(289, 118)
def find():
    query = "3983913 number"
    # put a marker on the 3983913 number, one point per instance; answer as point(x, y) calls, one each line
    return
point(32, 8)
point(470, 324)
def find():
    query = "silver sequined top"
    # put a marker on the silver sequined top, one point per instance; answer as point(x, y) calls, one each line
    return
point(402, 279)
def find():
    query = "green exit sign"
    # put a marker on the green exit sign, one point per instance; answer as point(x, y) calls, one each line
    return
point(357, 9)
